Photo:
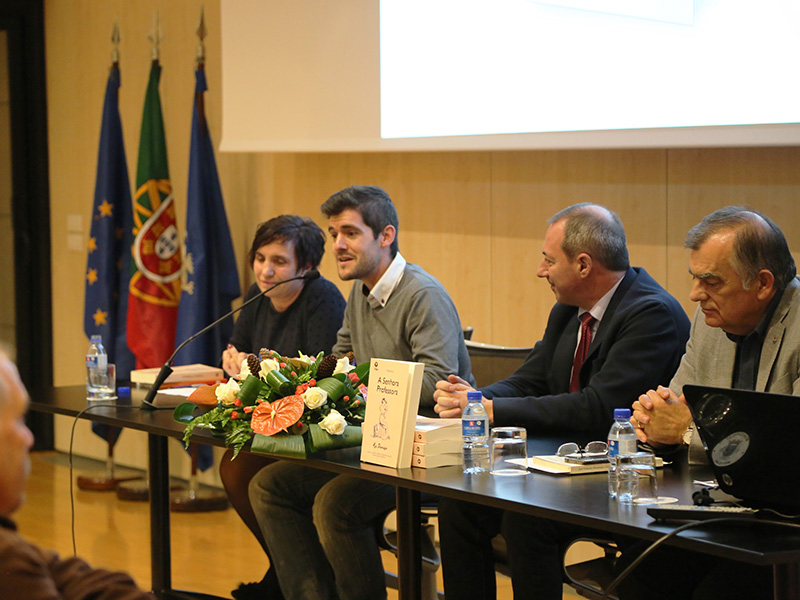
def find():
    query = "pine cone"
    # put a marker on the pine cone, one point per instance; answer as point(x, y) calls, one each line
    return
point(326, 367)
point(263, 354)
point(253, 364)
point(351, 358)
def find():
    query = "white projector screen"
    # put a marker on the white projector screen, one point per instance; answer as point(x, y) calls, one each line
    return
point(387, 75)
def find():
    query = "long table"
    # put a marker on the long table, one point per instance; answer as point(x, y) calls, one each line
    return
point(580, 500)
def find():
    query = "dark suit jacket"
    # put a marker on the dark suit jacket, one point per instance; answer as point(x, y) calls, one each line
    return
point(638, 345)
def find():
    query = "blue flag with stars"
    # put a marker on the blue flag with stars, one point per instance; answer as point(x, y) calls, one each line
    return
point(109, 251)
point(110, 239)
point(211, 279)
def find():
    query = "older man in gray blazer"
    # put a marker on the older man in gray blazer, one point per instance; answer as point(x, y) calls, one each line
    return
point(745, 334)
point(746, 331)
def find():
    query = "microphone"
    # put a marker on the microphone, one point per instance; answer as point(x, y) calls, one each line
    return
point(166, 368)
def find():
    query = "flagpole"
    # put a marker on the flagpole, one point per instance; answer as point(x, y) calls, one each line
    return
point(105, 307)
point(154, 289)
point(155, 38)
point(115, 45)
point(200, 61)
point(195, 498)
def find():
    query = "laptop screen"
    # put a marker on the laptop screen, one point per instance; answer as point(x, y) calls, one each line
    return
point(751, 442)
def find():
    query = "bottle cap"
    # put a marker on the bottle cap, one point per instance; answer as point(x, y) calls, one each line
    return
point(622, 413)
point(124, 392)
point(97, 339)
point(474, 396)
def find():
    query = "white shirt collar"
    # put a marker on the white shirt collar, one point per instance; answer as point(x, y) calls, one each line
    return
point(600, 307)
point(379, 295)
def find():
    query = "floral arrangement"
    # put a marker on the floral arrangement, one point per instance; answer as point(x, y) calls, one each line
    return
point(287, 406)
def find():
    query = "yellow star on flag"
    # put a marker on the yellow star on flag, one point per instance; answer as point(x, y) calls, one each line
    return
point(99, 317)
point(105, 209)
point(91, 276)
point(92, 244)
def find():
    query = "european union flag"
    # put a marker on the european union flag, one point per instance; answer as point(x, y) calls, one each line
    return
point(110, 239)
point(211, 277)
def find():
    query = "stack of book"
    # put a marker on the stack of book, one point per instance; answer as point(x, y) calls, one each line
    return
point(437, 443)
point(183, 375)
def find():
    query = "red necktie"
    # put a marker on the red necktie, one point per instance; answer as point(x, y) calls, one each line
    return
point(582, 350)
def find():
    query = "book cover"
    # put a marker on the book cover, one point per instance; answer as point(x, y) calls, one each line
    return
point(428, 430)
point(449, 446)
point(437, 460)
point(394, 388)
point(556, 465)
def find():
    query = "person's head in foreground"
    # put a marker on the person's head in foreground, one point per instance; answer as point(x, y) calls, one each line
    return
point(15, 437)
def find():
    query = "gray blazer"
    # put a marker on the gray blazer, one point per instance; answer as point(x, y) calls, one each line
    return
point(710, 356)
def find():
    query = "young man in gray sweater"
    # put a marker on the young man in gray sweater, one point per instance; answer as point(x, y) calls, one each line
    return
point(319, 526)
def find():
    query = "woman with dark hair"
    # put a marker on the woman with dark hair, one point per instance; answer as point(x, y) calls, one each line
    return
point(300, 316)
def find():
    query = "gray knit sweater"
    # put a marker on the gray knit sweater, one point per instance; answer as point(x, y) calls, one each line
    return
point(418, 323)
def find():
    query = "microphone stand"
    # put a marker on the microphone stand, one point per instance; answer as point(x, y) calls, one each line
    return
point(166, 368)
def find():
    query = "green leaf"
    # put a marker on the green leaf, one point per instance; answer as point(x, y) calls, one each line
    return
point(278, 382)
point(362, 371)
point(184, 412)
point(318, 440)
point(252, 386)
point(333, 386)
point(281, 444)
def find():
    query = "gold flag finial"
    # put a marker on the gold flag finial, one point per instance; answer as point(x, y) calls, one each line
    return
point(155, 37)
point(201, 33)
point(115, 44)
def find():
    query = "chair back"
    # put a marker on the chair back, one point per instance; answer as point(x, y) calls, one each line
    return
point(492, 363)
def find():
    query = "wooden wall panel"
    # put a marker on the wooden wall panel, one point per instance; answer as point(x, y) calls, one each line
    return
point(529, 187)
point(78, 49)
point(299, 184)
point(703, 180)
point(443, 205)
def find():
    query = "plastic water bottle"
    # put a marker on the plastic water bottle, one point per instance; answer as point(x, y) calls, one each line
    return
point(97, 384)
point(475, 433)
point(621, 440)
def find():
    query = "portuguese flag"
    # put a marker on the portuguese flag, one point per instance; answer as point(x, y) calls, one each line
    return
point(155, 285)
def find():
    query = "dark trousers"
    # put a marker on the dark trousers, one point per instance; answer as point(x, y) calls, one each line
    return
point(535, 548)
point(676, 574)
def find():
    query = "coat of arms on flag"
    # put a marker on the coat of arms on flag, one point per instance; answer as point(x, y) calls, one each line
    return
point(155, 287)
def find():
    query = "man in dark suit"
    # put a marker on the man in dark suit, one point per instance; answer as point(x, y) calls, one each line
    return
point(636, 333)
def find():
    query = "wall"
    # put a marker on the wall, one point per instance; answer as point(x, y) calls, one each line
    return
point(475, 220)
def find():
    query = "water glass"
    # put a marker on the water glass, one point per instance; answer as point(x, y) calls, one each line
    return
point(106, 388)
point(636, 478)
point(509, 451)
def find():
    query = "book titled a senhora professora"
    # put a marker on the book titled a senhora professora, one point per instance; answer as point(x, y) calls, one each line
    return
point(388, 429)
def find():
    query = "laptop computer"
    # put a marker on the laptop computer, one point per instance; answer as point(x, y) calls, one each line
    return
point(751, 440)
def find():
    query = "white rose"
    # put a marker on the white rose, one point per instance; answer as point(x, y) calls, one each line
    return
point(244, 373)
point(267, 365)
point(334, 423)
point(343, 366)
point(315, 397)
point(226, 392)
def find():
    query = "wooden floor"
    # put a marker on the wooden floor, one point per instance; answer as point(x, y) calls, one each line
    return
point(211, 552)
